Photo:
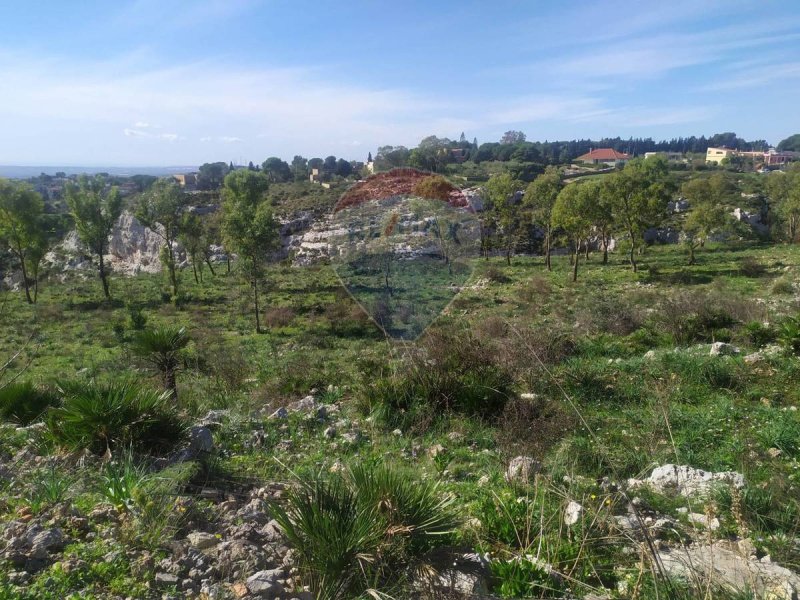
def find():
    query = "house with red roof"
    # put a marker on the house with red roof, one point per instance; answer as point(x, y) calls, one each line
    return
point(604, 156)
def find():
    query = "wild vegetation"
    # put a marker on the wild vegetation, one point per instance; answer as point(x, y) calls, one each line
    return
point(163, 445)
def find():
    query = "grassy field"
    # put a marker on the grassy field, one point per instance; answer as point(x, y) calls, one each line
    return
point(614, 369)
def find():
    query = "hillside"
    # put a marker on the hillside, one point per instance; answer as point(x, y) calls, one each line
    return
point(533, 402)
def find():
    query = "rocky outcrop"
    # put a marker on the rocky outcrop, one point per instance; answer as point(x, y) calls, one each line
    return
point(134, 248)
point(732, 566)
point(687, 481)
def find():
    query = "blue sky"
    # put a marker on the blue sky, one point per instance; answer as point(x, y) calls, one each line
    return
point(179, 82)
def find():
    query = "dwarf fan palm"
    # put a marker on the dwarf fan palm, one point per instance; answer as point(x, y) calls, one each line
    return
point(161, 347)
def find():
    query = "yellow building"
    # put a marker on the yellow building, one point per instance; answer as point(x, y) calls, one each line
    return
point(717, 155)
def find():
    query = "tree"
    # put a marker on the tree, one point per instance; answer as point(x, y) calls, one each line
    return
point(161, 209)
point(572, 212)
point(638, 196)
point(790, 144)
point(194, 238)
point(249, 227)
point(512, 137)
point(23, 229)
point(707, 215)
point(500, 191)
point(211, 175)
point(299, 168)
point(95, 209)
point(602, 215)
point(343, 168)
point(277, 170)
point(784, 192)
point(390, 157)
point(539, 200)
point(161, 347)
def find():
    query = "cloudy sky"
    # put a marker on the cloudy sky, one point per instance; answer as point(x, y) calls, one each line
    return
point(181, 82)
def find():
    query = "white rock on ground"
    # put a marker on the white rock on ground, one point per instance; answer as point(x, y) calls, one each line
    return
point(726, 567)
point(572, 513)
point(686, 480)
point(522, 468)
point(723, 349)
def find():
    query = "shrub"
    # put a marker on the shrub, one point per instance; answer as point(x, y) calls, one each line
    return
point(751, 267)
point(348, 319)
point(448, 372)
point(363, 530)
point(531, 427)
point(279, 317)
point(24, 403)
point(690, 316)
point(434, 187)
point(605, 314)
point(161, 347)
point(136, 316)
point(789, 334)
point(523, 578)
point(102, 417)
point(496, 275)
point(225, 363)
point(783, 286)
point(760, 334)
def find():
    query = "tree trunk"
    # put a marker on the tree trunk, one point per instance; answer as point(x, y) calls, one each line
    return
point(210, 267)
point(173, 277)
point(605, 247)
point(228, 260)
point(587, 249)
point(577, 255)
point(194, 270)
point(104, 277)
point(547, 250)
point(170, 383)
point(631, 257)
point(691, 253)
point(508, 255)
point(35, 285)
point(255, 302)
point(25, 282)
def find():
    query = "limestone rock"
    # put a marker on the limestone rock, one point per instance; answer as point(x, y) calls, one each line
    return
point(723, 349)
point(521, 468)
point(686, 480)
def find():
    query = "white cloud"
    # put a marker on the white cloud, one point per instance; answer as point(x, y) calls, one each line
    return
point(228, 139)
point(138, 133)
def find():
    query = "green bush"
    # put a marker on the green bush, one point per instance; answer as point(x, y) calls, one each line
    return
point(782, 286)
point(103, 417)
point(136, 316)
point(759, 334)
point(789, 334)
point(523, 578)
point(363, 530)
point(448, 372)
point(24, 402)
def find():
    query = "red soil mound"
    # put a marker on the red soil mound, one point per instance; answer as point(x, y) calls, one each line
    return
point(396, 182)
